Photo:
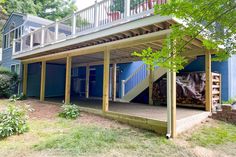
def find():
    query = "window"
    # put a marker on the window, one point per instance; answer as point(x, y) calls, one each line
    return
point(6, 41)
point(0, 54)
point(15, 68)
point(14, 33)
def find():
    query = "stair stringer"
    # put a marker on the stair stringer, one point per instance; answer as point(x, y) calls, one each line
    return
point(158, 73)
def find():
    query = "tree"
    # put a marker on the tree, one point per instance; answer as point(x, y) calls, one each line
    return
point(119, 5)
point(49, 9)
point(212, 21)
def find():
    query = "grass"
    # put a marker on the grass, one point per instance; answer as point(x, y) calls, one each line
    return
point(210, 136)
point(62, 137)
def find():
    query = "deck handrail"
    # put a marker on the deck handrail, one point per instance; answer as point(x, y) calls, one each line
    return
point(98, 15)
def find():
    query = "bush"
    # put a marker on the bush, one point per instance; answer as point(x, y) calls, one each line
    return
point(8, 82)
point(13, 121)
point(70, 111)
point(17, 97)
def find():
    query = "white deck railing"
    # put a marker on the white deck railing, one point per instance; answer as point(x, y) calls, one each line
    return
point(95, 17)
point(134, 79)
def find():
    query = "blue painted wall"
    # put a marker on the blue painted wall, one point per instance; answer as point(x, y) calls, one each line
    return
point(126, 70)
point(96, 86)
point(55, 80)
point(220, 67)
point(33, 82)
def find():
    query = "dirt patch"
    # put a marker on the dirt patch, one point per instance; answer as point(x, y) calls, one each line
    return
point(47, 110)
point(41, 110)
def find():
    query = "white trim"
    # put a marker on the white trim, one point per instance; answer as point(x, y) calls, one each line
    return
point(18, 72)
point(229, 78)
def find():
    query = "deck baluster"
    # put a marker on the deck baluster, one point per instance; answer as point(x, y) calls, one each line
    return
point(127, 8)
point(56, 30)
point(96, 14)
point(74, 24)
point(42, 36)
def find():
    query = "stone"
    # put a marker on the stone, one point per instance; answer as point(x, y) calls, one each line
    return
point(226, 107)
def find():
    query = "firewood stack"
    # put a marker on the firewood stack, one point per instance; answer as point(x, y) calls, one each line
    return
point(190, 89)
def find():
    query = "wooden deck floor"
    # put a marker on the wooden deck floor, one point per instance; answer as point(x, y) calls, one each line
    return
point(186, 117)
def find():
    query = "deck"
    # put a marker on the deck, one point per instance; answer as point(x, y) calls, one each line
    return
point(141, 115)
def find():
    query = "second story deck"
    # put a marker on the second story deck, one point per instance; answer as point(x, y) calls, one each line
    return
point(105, 21)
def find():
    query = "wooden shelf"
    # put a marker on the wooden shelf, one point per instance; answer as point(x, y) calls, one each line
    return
point(216, 88)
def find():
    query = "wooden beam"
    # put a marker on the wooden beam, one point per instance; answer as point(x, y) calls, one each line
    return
point(114, 83)
point(105, 100)
point(25, 78)
point(68, 80)
point(150, 86)
point(43, 77)
point(208, 81)
point(87, 81)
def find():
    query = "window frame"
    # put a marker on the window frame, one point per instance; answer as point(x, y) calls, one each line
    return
point(17, 71)
point(6, 37)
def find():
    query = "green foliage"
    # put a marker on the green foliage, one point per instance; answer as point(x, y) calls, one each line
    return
point(16, 97)
point(70, 111)
point(211, 21)
point(13, 121)
point(49, 9)
point(230, 101)
point(218, 134)
point(8, 82)
point(119, 5)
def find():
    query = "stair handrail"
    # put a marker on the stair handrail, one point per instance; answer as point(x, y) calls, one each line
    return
point(123, 82)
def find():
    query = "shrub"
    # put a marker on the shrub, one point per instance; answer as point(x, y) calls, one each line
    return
point(17, 97)
point(70, 111)
point(13, 121)
point(8, 82)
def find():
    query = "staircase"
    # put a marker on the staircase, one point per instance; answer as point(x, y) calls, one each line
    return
point(139, 81)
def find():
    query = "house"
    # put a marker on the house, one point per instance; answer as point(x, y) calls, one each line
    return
point(86, 59)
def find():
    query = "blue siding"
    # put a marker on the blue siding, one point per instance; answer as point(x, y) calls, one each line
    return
point(17, 19)
point(7, 53)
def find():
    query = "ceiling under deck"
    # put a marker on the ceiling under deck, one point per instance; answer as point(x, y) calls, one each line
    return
point(122, 55)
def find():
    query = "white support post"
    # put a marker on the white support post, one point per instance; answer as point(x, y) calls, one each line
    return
point(56, 30)
point(168, 104)
point(74, 23)
point(87, 82)
point(127, 8)
point(96, 14)
point(21, 44)
point(31, 40)
point(122, 88)
point(14, 46)
point(42, 36)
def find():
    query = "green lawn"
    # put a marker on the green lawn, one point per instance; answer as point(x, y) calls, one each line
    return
point(60, 137)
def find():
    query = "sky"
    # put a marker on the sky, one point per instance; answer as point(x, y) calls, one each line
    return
point(81, 4)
